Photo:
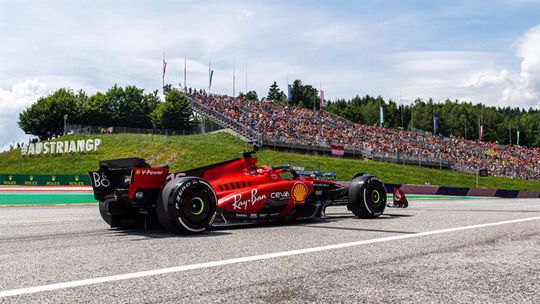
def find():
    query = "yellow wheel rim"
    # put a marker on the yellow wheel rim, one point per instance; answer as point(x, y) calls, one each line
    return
point(201, 202)
point(376, 196)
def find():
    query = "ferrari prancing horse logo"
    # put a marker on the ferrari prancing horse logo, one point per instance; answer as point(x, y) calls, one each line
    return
point(299, 192)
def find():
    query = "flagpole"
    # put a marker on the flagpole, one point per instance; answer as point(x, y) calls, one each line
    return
point(209, 76)
point(401, 110)
point(465, 127)
point(246, 77)
point(234, 79)
point(185, 70)
point(163, 74)
point(321, 93)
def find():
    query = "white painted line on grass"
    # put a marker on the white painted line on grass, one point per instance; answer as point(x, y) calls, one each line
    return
point(141, 274)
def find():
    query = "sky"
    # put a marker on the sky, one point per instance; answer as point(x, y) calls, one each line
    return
point(480, 51)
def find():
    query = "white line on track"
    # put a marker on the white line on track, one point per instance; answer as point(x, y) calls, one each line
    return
point(48, 221)
point(141, 274)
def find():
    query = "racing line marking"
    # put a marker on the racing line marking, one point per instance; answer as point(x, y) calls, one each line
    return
point(49, 221)
point(141, 274)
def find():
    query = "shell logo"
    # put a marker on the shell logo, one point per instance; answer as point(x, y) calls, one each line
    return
point(138, 171)
point(299, 192)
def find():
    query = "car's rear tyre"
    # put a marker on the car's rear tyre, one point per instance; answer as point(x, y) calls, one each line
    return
point(104, 215)
point(186, 205)
point(367, 196)
point(116, 220)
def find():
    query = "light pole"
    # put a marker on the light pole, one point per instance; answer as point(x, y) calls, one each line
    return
point(65, 124)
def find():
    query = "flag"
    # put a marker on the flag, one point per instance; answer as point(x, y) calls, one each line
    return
point(210, 79)
point(481, 132)
point(381, 113)
point(289, 93)
point(185, 72)
point(435, 124)
point(338, 150)
point(164, 69)
point(322, 99)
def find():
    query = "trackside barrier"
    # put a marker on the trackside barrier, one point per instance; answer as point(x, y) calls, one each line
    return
point(44, 180)
point(461, 191)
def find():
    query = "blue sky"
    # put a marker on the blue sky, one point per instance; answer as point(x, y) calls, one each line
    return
point(480, 51)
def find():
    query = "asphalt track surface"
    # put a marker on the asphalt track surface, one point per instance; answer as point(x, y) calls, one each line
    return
point(451, 251)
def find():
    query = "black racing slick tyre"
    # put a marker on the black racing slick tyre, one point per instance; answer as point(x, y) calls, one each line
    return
point(104, 215)
point(367, 196)
point(186, 205)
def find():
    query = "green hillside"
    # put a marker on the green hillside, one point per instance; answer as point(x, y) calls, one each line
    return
point(183, 152)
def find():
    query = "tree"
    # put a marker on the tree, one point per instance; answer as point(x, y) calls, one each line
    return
point(131, 107)
point(175, 113)
point(275, 93)
point(307, 94)
point(98, 110)
point(45, 118)
point(252, 95)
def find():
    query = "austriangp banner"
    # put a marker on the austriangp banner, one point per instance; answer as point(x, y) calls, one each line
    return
point(43, 180)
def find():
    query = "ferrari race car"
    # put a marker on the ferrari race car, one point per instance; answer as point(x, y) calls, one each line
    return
point(131, 192)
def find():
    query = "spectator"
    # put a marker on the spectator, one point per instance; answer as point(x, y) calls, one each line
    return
point(320, 128)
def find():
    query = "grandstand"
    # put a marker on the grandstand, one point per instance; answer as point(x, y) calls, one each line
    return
point(318, 130)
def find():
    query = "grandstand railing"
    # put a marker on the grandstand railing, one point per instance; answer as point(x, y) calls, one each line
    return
point(202, 127)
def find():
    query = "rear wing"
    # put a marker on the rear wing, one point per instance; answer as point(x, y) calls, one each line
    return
point(123, 178)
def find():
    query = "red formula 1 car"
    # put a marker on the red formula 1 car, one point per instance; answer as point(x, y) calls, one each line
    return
point(131, 192)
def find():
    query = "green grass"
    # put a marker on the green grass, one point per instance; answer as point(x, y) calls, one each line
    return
point(184, 152)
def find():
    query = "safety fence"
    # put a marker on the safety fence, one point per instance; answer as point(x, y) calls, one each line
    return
point(203, 126)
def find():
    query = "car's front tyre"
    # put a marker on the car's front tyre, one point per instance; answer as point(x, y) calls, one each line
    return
point(367, 196)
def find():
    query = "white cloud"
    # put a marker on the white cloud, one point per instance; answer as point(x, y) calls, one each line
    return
point(488, 80)
point(473, 76)
point(446, 74)
point(525, 90)
point(12, 102)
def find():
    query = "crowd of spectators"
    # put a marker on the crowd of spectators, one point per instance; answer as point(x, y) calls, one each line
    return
point(275, 122)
